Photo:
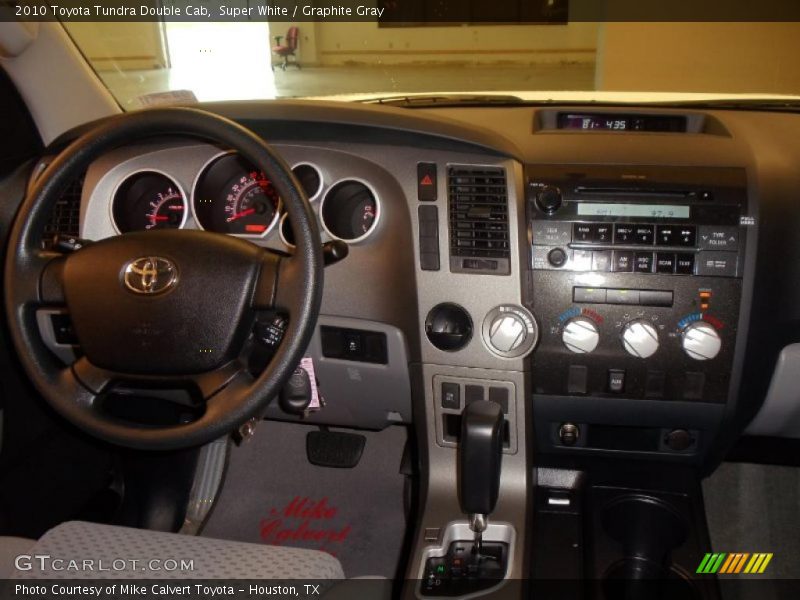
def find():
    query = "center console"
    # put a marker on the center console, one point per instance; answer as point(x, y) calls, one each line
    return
point(637, 285)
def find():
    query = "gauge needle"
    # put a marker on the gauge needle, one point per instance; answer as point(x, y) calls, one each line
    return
point(241, 214)
point(159, 218)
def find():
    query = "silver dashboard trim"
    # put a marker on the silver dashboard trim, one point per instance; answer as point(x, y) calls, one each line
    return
point(378, 210)
point(185, 198)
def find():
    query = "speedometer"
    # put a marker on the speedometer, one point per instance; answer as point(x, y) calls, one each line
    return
point(231, 196)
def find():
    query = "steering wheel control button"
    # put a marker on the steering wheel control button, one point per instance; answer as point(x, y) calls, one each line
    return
point(150, 275)
point(640, 339)
point(616, 381)
point(701, 341)
point(426, 182)
point(557, 257)
point(510, 331)
point(448, 327)
point(580, 335)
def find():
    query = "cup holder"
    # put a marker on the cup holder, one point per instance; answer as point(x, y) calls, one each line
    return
point(647, 528)
point(641, 579)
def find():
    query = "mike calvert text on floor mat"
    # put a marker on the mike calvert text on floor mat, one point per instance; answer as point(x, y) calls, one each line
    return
point(305, 519)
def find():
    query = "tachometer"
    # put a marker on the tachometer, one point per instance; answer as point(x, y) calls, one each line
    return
point(231, 196)
point(148, 200)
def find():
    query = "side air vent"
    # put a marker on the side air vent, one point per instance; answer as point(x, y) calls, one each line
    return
point(65, 218)
point(479, 236)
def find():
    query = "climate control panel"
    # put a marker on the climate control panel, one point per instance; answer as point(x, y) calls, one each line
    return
point(636, 281)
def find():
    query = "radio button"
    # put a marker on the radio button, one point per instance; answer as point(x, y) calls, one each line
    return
point(643, 262)
point(581, 260)
point(604, 233)
point(666, 235)
point(718, 237)
point(684, 264)
point(721, 264)
point(624, 233)
point(583, 232)
point(623, 261)
point(665, 262)
point(687, 235)
point(589, 295)
point(644, 234)
point(557, 257)
point(655, 298)
point(550, 233)
point(622, 297)
point(601, 260)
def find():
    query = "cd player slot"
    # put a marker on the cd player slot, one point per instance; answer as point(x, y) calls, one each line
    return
point(635, 192)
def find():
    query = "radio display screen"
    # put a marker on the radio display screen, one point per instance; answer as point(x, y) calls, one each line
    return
point(652, 211)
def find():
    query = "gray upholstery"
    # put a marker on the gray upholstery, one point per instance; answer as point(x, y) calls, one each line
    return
point(212, 558)
point(10, 548)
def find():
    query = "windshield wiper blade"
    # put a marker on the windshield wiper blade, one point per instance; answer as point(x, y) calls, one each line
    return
point(445, 100)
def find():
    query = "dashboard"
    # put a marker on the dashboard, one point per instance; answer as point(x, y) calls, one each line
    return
point(619, 278)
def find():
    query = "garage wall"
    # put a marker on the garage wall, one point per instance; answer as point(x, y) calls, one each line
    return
point(121, 46)
point(367, 43)
point(699, 57)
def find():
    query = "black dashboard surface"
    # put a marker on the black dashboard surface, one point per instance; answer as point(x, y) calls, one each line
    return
point(765, 145)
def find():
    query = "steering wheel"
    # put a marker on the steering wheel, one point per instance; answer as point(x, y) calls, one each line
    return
point(164, 309)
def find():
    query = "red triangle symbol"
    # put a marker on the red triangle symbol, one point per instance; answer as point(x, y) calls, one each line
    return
point(426, 180)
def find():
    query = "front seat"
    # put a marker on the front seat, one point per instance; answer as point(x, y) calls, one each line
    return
point(105, 551)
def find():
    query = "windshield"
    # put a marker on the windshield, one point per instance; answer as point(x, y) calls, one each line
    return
point(161, 61)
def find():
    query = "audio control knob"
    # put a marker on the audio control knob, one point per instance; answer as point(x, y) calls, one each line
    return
point(549, 199)
point(510, 331)
point(640, 338)
point(580, 335)
point(701, 341)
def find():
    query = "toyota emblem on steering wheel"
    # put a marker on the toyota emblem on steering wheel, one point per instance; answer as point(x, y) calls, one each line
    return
point(150, 275)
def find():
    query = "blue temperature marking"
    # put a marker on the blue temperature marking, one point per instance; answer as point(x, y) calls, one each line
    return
point(690, 319)
point(568, 314)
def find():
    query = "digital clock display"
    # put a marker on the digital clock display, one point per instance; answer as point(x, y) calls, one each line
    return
point(620, 122)
point(649, 211)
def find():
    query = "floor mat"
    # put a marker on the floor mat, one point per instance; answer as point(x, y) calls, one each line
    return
point(754, 508)
point(273, 495)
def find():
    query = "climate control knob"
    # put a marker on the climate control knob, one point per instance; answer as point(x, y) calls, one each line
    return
point(640, 338)
point(701, 341)
point(510, 331)
point(580, 335)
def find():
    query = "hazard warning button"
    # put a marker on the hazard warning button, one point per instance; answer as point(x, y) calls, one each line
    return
point(426, 182)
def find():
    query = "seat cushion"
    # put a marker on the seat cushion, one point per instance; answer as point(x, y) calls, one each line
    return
point(10, 549)
point(111, 552)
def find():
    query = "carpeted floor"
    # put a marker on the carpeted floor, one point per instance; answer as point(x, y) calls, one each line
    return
point(273, 495)
point(756, 508)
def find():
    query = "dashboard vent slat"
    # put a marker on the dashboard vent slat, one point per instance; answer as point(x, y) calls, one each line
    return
point(478, 209)
point(65, 218)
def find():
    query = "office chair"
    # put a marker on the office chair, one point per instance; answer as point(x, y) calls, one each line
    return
point(286, 50)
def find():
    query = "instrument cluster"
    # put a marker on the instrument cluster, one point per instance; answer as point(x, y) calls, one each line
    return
point(231, 196)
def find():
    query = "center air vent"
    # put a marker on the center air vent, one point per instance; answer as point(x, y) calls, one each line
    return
point(479, 236)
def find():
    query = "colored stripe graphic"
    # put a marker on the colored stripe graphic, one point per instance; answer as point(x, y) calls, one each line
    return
point(711, 563)
point(734, 563)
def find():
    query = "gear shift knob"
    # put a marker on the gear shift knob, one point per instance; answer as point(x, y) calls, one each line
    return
point(479, 455)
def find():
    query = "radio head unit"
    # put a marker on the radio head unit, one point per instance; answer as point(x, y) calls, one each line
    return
point(636, 280)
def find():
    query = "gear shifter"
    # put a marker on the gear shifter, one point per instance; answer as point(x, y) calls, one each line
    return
point(479, 456)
